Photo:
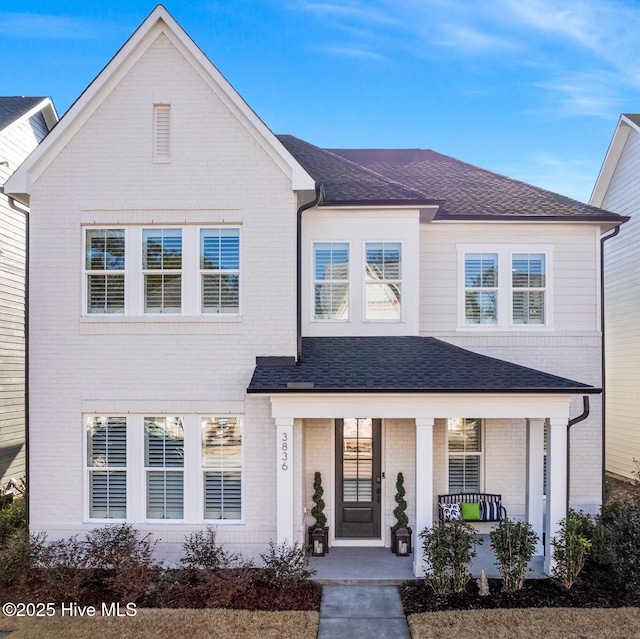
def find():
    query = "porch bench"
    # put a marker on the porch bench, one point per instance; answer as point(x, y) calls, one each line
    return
point(491, 508)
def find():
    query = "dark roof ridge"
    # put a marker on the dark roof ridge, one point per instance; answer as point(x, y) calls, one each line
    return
point(365, 169)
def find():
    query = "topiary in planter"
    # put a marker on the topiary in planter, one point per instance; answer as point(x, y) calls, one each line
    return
point(400, 514)
point(318, 533)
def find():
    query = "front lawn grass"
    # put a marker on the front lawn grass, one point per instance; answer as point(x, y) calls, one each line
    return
point(541, 623)
point(169, 624)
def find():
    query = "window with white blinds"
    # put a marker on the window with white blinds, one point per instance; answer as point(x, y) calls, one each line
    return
point(528, 275)
point(164, 467)
point(220, 270)
point(104, 270)
point(162, 269)
point(107, 466)
point(161, 132)
point(481, 288)
point(464, 453)
point(222, 467)
point(331, 280)
point(383, 281)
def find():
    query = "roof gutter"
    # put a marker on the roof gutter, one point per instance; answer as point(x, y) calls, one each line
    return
point(317, 200)
point(615, 232)
point(25, 212)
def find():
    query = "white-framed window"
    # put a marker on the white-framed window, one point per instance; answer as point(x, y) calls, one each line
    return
point(164, 467)
point(220, 270)
point(383, 281)
point(162, 270)
point(222, 467)
point(481, 288)
point(331, 280)
point(107, 466)
point(505, 287)
point(528, 289)
point(105, 270)
point(464, 455)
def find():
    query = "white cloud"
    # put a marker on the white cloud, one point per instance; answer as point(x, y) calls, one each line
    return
point(38, 26)
point(351, 52)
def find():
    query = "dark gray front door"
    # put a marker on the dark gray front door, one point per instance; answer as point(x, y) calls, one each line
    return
point(358, 479)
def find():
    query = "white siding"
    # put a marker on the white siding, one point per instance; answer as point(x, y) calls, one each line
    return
point(16, 142)
point(622, 299)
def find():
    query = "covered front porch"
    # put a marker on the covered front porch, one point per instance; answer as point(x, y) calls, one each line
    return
point(405, 390)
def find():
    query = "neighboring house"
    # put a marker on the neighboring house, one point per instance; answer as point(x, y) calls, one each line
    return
point(23, 123)
point(618, 189)
point(183, 373)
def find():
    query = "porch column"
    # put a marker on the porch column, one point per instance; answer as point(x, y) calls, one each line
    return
point(556, 484)
point(284, 483)
point(535, 479)
point(423, 490)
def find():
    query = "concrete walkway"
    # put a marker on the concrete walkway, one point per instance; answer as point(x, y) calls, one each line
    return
point(362, 612)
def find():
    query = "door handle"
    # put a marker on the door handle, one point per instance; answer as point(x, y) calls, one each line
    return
point(378, 494)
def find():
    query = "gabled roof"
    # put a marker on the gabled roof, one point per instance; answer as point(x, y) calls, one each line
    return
point(464, 191)
point(400, 365)
point(13, 108)
point(626, 123)
point(158, 22)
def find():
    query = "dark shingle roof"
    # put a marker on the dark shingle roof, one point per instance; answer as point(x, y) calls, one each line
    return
point(14, 107)
point(387, 176)
point(400, 364)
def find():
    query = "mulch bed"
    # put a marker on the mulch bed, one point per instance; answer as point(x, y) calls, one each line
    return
point(594, 589)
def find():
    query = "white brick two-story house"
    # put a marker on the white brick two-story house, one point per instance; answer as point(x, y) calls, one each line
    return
point(24, 122)
point(219, 312)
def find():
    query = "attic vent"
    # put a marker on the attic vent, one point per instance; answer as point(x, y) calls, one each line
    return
point(161, 132)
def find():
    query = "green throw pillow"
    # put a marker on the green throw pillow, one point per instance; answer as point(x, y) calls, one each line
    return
point(470, 511)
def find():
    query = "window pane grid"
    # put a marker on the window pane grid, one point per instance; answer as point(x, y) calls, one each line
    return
point(383, 281)
point(222, 467)
point(464, 454)
point(220, 252)
point(331, 281)
point(481, 288)
point(528, 284)
point(107, 450)
point(357, 460)
point(105, 265)
point(162, 251)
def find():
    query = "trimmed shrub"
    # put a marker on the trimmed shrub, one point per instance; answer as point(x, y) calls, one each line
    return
point(570, 550)
point(65, 569)
point(399, 512)
point(318, 510)
point(126, 558)
point(201, 551)
point(13, 516)
point(449, 549)
point(19, 558)
point(286, 566)
point(513, 543)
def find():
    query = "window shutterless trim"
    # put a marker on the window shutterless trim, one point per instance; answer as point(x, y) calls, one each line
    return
point(390, 282)
point(481, 453)
point(314, 282)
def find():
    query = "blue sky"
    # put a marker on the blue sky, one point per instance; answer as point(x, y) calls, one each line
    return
point(529, 89)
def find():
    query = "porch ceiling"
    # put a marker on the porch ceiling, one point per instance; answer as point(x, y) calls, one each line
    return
point(401, 365)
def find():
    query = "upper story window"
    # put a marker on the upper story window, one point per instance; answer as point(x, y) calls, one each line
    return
point(185, 270)
point(105, 268)
point(331, 280)
point(528, 288)
point(383, 281)
point(162, 266)
point(220, 270)
point(481, 288)
point(506, 288)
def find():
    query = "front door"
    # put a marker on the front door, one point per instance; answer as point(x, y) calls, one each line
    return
point(358, 478)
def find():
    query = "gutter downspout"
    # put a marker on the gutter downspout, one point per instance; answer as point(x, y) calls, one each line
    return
point(318, 198)
point(602, 355)
point(580, 418)
point(25, 212)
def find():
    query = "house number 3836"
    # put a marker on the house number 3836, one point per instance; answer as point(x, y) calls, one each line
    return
point(284, 447)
